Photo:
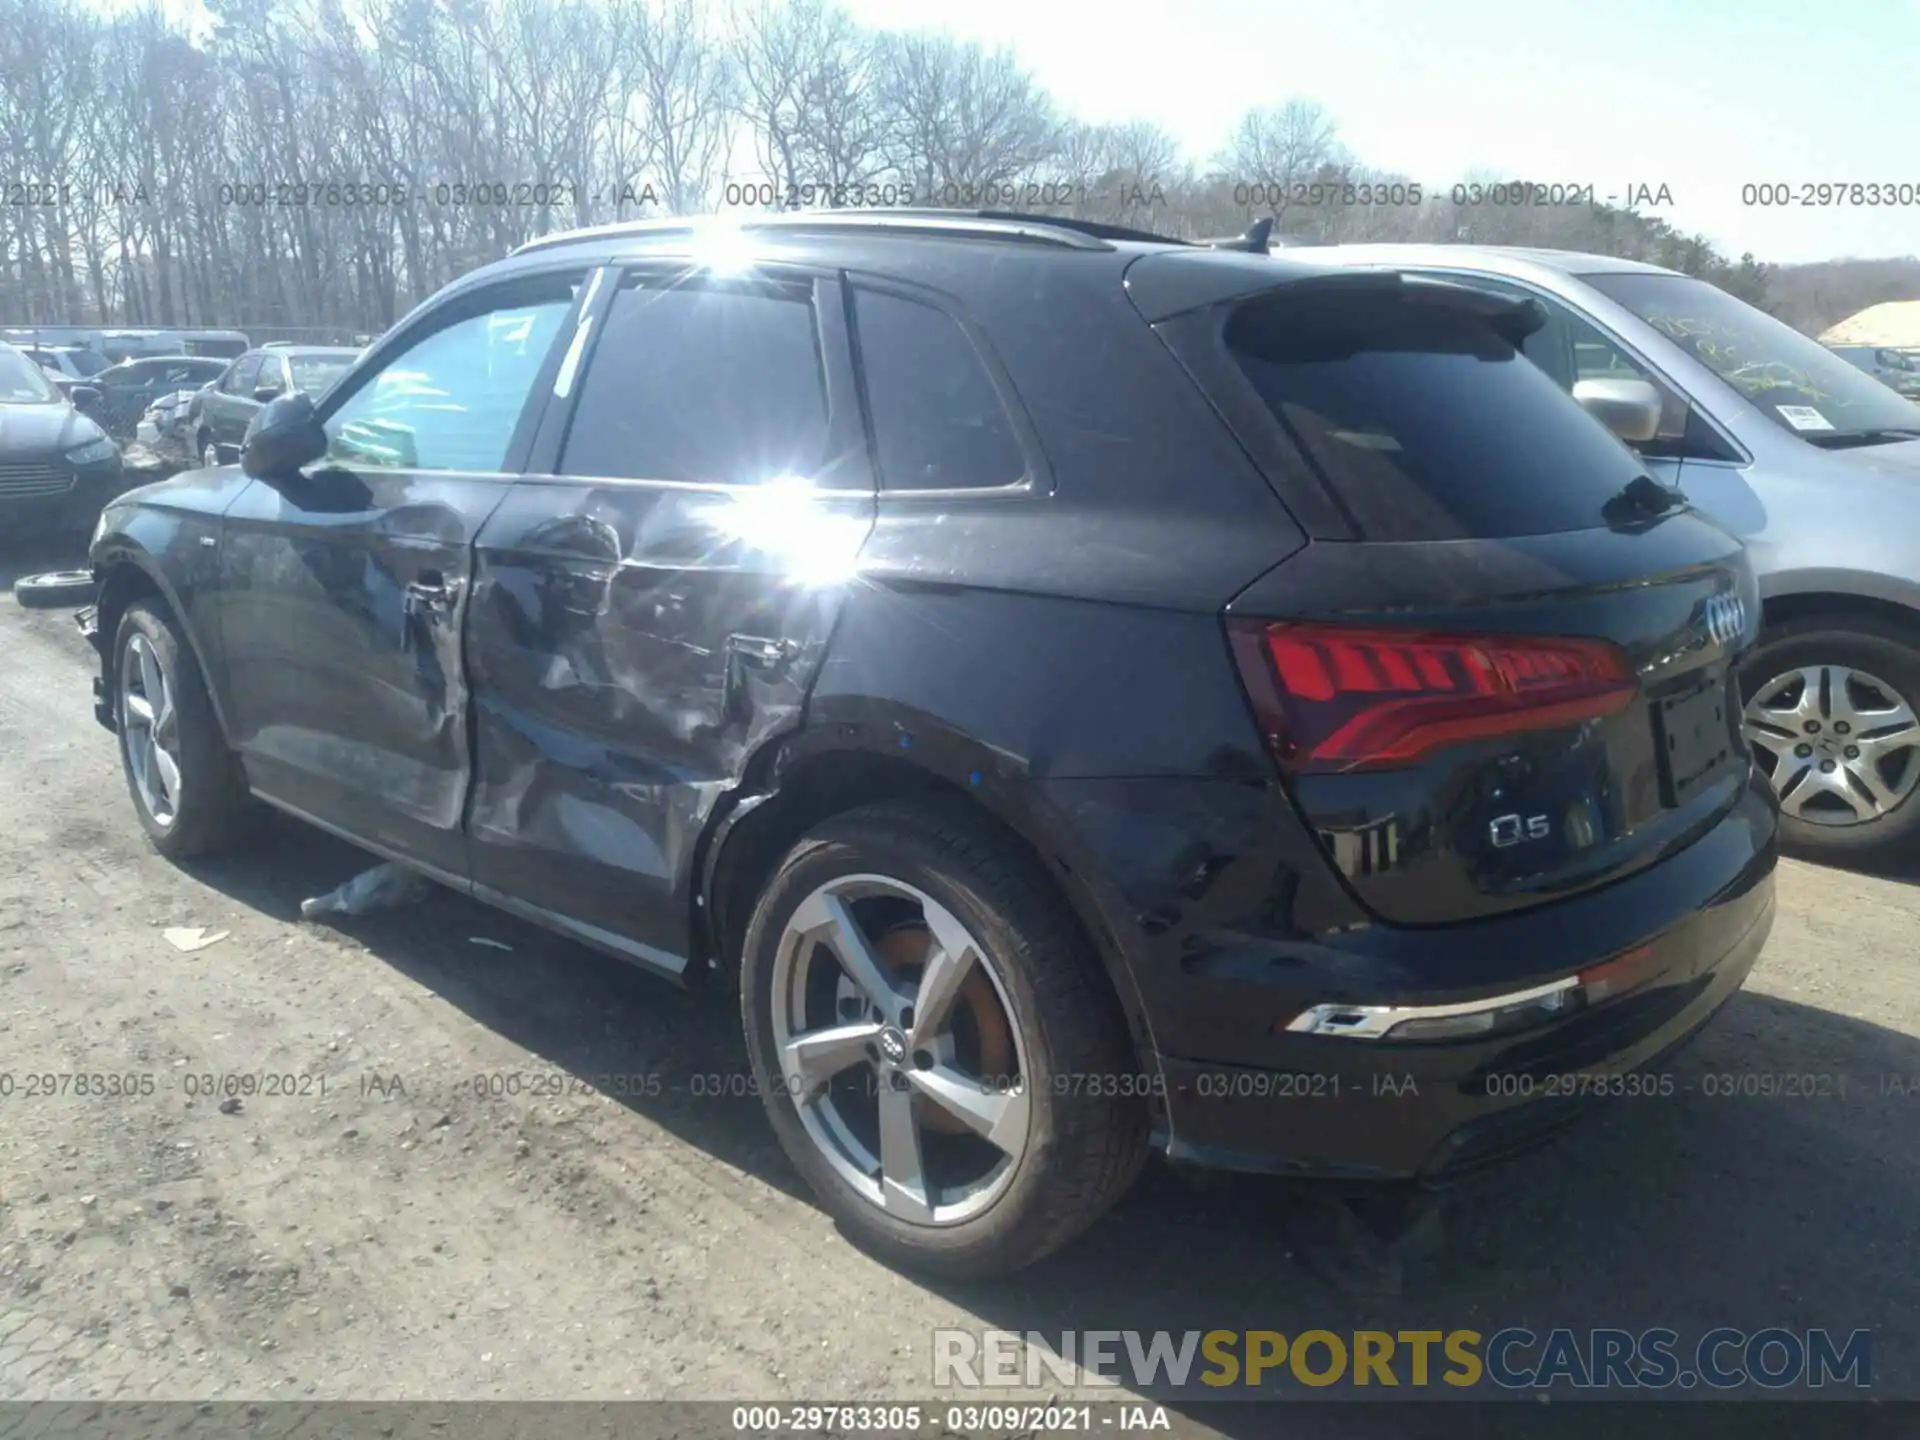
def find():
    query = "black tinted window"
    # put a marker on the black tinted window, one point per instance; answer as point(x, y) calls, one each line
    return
point(937, 420)
point(1427, 424)
point(703, 382)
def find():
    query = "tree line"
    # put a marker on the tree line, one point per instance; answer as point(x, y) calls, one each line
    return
point(324, 164)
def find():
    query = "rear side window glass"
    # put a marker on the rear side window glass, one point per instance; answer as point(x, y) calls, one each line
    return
point(938, 423)
point(1427, 424)
point(711, 383)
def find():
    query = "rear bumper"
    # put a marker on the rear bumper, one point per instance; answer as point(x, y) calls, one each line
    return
point(1375, 1110)
point(1220, 980)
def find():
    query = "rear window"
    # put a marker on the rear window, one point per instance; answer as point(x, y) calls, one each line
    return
point(315, 374)
point(1424, 422)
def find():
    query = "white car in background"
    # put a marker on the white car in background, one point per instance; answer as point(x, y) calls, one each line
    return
point(1812, 462)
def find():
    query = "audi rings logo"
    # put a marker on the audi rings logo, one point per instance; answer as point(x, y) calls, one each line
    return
point(1726, 618)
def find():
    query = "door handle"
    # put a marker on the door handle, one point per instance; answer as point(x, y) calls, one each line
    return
point(431, 592)
point(749, 652)
point(761, 654)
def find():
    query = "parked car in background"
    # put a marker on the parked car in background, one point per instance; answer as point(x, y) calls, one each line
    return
point(1815, 465)
point(68, 364)
point(167, 428)
point(1891, 368)
point(255, 378)
point(1077, 686)
point(57, 467)
point(127, 389)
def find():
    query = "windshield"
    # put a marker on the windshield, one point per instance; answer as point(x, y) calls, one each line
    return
point(315, 373)
point(21, 381)
point(1795, 382)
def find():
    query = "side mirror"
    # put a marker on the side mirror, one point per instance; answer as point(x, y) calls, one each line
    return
point(264, 393)
point(281, 438)
point(1631, 409)
point(84, 397)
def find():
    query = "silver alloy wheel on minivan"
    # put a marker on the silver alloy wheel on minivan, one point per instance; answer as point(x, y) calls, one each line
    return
point(899, 1050)
point(150, 731)
point(1843, 745)
point(209, 456)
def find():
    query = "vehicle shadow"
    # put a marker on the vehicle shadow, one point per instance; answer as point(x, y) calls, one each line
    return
point(1901, 869)
point(1715, 1206)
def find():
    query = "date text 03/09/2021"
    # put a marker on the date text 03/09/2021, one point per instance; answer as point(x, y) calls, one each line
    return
point(999, 1418)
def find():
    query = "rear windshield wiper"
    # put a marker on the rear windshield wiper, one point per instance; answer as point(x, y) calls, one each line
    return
point(1849, 439)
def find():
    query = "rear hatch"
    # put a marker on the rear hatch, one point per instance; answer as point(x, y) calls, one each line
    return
point(1502, 673)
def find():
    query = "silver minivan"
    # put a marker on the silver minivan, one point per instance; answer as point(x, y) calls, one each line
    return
point(1811, 461)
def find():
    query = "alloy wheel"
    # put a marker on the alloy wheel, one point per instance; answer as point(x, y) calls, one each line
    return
point(209, 456)
point(1841, 746)
point(898, 1049)
point(150, 730)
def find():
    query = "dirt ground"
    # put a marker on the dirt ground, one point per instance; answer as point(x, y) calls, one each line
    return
point(400, 1227)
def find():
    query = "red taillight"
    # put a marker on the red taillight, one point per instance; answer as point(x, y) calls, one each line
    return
point(1341, 697)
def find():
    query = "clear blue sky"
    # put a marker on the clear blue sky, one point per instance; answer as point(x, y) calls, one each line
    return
point(1703, 95)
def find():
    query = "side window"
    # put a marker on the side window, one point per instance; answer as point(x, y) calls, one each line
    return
point(1597, 357)
point(272, 375)
point(240, 379)
point(452, 399)
point(710, 382)
point(938, 423)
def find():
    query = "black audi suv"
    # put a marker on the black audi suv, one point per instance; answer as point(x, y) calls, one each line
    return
point(1088, 693)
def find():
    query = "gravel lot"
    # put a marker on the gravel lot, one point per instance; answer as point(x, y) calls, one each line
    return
point(402, 1236)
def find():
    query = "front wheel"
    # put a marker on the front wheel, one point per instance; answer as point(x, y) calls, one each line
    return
point(186, 785)
point(940, 1055)
point(1831, 709)
point(209, 453)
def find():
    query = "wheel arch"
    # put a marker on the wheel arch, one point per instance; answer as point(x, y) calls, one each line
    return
point(1778, 609)
point(813, 774)
point(127, 574)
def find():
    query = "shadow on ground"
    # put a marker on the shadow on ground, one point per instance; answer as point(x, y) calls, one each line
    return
point(1690, 1212)
point(37, 554)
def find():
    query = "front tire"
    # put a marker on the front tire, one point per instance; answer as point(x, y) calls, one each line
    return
point(186, 784)
point(939, 1052)
point(1832, 706)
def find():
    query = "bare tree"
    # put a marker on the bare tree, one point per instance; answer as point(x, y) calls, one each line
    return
point(964, 122)
point(323, 165)
point(1273, 151)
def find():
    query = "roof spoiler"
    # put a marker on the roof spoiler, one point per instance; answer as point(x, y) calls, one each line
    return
point(1512, 317)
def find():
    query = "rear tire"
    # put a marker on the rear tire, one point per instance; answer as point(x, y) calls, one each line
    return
point(186, 785)
point(1857, 664)
point(1085, 1108)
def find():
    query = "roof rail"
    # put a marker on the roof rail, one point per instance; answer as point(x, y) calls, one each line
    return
point(970, 224)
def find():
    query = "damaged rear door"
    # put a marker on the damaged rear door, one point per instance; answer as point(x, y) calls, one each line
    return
point(653, 599)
